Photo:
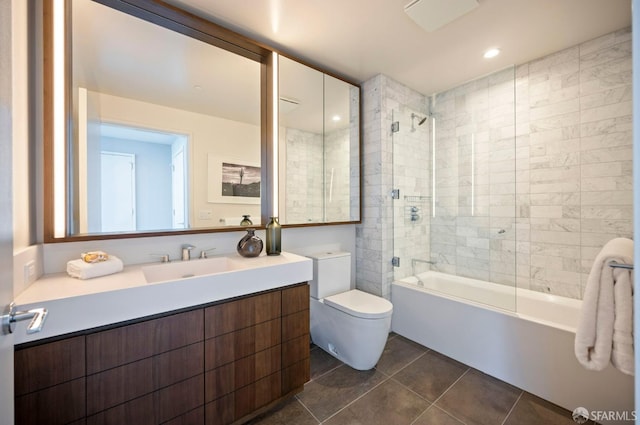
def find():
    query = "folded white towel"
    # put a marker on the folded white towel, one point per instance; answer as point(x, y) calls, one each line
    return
point(605, 329)
point(82, 270)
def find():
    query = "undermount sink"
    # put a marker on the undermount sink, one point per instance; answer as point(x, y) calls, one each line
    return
point(186, 269)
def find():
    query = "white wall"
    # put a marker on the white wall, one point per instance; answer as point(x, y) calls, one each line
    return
point(21, 148)
point(304, 241)
point(23, 184)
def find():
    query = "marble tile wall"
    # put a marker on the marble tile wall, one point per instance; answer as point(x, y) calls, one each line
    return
point(303, 182)
point(542, 206)
point(314, 163)
point(473, 228)
point(575, 120)
point(412, 177)
point(337, 175)
point(374, 236)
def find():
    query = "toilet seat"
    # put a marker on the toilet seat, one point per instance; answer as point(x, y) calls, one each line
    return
point(360, 304)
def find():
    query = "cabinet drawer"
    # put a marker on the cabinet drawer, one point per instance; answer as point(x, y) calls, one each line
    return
point(243, 372)
point(295, 350)
point(49, 364)
point(295, 376)
point(129, 343)
point(195, 417)
point(114, 386)
point(295, 325)
point(245, 342)
point(256, 395)
point(295, 299)
point(158, 407)
point(60, 404)
point(239, 314)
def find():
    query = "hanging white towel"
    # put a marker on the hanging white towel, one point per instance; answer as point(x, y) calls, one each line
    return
point(605, 329)
point(83, 270)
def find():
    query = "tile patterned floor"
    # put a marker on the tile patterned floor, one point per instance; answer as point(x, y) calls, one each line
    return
point(410, 385)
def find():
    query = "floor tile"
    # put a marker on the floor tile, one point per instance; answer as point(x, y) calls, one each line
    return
point(532, 410)
point(388, 404)
point(286, 413)
point(322, 362)
point(431, 374)
point(331, 392)
point(478, 398)
point(435, 416)
point(398, 352)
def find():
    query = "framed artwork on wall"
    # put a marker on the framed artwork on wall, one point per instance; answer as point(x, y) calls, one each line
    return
point(233, 181)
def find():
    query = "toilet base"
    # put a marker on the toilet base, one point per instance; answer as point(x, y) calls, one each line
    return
point(358, 342)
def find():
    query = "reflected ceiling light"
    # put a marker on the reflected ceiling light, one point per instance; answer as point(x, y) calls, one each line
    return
point(491, 53)
point(336, 118)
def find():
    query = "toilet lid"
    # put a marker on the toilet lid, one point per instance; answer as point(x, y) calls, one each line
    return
point(360, 304)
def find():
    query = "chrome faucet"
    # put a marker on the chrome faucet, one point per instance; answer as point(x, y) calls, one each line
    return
point(186, 252)
point(204, 253)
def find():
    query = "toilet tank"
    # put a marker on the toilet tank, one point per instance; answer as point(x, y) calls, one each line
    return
point(331, 273)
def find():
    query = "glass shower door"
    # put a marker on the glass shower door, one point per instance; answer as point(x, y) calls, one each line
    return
point(473, 232)
point(412, 183)
point(454, 219)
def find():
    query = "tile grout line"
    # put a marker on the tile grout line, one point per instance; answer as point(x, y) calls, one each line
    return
point(433, 406)
point(446, 391)
point(407, 365)
point(304, 406)
point(512, 407)
point(327, 372)
point(359, 397)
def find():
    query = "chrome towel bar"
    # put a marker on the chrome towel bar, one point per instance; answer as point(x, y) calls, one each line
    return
point(621, 266)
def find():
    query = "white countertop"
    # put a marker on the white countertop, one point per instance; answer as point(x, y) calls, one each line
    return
point(74, 305)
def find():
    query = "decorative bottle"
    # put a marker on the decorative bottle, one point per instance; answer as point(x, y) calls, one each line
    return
point(273, 236)
point(246, 221)
point(250, 245)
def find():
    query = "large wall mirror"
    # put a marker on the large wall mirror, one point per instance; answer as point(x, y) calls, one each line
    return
point(169, 128)
point(319, 146)
point(166, 128)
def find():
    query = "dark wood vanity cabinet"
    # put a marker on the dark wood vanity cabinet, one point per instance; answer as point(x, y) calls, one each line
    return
point(216, 364)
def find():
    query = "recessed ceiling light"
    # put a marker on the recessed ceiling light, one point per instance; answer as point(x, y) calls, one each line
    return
point(197, 87)
point(491, 53)
point(336, 118)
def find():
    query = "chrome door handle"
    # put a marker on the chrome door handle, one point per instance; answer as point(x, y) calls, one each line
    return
point(37, 316)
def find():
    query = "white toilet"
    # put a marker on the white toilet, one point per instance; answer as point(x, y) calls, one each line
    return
point(349, 324)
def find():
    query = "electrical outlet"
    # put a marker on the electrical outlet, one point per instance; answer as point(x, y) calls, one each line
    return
point(205, 215)
point(30, 272)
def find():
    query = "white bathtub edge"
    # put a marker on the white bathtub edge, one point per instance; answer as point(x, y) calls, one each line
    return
point(508, 347)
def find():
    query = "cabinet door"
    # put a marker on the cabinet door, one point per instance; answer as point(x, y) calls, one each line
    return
point(147, 372)
point(48, 376)
point(243, 356)
point(126, 344)
point(295, 338)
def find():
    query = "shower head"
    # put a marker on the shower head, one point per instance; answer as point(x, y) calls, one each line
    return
point(421, 120)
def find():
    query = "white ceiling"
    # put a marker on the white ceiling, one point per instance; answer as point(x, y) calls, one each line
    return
point(359, 39)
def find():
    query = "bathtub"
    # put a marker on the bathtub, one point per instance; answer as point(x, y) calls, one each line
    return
point(531, 348)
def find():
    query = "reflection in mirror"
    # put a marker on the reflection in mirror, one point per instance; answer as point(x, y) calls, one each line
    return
point(163, 138)
point(319, 146)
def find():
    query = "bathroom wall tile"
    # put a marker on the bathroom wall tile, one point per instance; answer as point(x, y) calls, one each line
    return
point(570, 186)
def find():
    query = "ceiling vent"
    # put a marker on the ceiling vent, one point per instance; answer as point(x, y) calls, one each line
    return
point(287, 104)
point(433, 14)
